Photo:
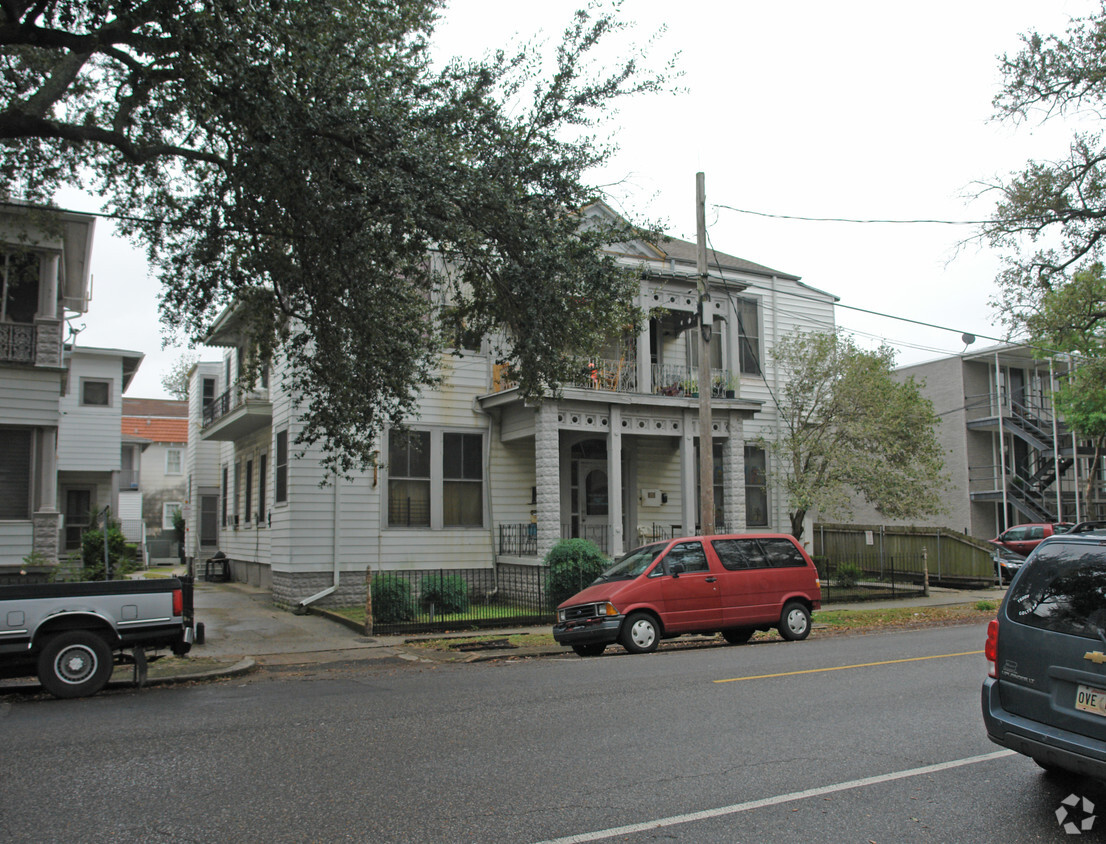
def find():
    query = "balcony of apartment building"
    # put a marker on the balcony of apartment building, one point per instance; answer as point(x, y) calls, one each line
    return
point(237, 412)
point(30, 325)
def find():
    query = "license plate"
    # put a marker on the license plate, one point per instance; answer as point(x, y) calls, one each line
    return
point(1088, 699)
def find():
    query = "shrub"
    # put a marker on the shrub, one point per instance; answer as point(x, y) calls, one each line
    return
point(449, 593)
point(120, 553)
point(391, 599)
point(986, 606)
point(847, 575)
point(572, 565)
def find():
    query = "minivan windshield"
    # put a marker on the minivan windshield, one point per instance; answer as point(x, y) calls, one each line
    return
point(633, 563)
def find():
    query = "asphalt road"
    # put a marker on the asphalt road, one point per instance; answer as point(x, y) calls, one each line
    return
point(873, 738)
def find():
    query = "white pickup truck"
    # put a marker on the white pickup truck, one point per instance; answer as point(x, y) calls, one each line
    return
point(72, 634)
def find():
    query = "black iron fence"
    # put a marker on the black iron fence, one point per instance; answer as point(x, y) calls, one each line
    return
point(443, 599)
point(870, 577)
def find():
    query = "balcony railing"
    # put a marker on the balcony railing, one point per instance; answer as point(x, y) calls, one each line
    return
point(17, 343)
point(620, 376)
point(231, 400)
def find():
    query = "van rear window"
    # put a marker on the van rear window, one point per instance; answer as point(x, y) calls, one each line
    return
point(757, 553)
point(1062, 589)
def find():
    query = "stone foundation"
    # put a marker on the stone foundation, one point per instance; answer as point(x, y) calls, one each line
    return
point(289, 588)
point(47, 535)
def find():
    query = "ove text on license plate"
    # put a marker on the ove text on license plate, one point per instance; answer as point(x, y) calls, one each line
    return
point(1089, 699)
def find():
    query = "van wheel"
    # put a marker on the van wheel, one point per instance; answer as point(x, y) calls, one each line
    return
point(589, 650)
point(794, 622)
point(75, 664)
point(738, 635)
point(640, 633)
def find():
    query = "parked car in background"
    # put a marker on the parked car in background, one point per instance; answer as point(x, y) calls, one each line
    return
point(1007, 563)
point(1045, 695)
point(734, 585)
point(1022, 539)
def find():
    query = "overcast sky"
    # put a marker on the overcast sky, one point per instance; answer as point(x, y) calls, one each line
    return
point(862, 110)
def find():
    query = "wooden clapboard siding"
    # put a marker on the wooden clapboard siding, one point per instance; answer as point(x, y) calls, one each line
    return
point(15, 542)
point(89, 438)
point(29, 396)
point(511, 479)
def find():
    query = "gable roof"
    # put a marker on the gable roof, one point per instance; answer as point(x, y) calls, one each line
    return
point(169, 408)
point(156, 430)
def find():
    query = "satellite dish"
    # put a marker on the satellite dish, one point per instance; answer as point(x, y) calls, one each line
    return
point(967, 338)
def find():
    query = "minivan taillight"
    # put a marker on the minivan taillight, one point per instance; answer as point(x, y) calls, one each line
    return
point(990, 650)
point(178, 602)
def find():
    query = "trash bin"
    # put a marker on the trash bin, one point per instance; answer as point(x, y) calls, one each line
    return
point(217, 569)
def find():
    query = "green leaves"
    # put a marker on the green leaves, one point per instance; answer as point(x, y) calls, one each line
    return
point(305, 161)
point(851, 428)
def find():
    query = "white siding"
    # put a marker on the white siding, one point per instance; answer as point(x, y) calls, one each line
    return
point(29, 396)
point(15, 542)
point(89, 438)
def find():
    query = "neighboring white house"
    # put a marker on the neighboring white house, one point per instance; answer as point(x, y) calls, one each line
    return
point(43, 275)
point(160, 428)
point(484, 477)
point(96, 467)
point(1010, 458)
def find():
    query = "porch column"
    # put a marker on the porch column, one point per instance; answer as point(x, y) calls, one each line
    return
point(614, 481)
point(547, 476)
point(47, 459)
point(733, 477)
point(689, 497)
point(644, 364)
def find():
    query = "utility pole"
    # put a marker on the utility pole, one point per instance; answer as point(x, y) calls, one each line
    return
point(706, 324)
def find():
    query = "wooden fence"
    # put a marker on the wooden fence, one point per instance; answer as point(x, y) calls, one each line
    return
point(953, 558)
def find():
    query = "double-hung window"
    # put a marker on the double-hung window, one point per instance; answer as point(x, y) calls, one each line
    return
point(435, 479)
point(409, 479)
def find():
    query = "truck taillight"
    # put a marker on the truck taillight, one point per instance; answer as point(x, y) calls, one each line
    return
point(178, 602)
point(990, 650)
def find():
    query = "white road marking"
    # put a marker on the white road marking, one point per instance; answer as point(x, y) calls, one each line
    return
point(722, 811)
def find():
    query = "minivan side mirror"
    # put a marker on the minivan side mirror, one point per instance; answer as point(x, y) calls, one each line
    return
point(675, 569)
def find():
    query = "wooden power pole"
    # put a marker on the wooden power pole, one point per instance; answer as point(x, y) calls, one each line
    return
point(706, 324)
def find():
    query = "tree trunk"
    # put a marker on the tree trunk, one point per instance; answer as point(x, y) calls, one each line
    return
point(797, 519)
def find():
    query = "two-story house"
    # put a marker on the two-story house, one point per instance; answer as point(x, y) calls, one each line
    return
point(44, 273)
point(155, 447)
point(484, 477)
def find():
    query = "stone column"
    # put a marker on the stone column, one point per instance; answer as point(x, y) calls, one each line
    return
point(547, 476)
point(689, 497)
point(614, 482)
point(733, 477)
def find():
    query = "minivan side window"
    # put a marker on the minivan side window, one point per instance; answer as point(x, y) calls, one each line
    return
point(1063, 590)
point(691, 554)
point(782, 553)
point(737, 554)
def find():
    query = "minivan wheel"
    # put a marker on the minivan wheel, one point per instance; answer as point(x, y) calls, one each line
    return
point(738, 635)
point(640, 633)
point(589, 650)
point(794, 622)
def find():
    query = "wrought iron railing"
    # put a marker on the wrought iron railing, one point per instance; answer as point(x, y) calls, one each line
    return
point(17, 342)
point(231, 400)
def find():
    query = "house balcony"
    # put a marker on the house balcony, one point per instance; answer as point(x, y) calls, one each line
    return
point(619, 376)
point(237, 413)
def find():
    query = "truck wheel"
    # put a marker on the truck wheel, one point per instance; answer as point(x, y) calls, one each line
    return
point(74, 664)
point(794, 622)
point(640, 633)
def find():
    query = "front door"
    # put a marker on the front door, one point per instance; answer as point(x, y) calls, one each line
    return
point(593, 500)
point(78, 516)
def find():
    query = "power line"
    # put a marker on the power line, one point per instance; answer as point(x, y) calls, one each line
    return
point(853, 219)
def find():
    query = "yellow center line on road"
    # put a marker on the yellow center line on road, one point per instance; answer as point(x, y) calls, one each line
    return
point(844, 667)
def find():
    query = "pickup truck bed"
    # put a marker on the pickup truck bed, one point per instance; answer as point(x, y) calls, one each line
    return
point(72, 634)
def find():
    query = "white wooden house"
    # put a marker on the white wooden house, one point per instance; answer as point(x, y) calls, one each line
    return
point(44, 273)
point(484, 477)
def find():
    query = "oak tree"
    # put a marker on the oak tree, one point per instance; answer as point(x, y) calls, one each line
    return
point(310, 164)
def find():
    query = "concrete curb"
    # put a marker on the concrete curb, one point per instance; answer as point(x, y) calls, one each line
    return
point(243, 666)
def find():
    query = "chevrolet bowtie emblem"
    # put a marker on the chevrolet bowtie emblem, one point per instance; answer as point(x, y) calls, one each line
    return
point(1097, 657)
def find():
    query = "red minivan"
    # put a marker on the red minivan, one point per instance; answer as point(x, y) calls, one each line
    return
point(734, 584)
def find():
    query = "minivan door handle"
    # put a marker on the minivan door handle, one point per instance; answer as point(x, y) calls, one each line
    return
point(711, 579)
